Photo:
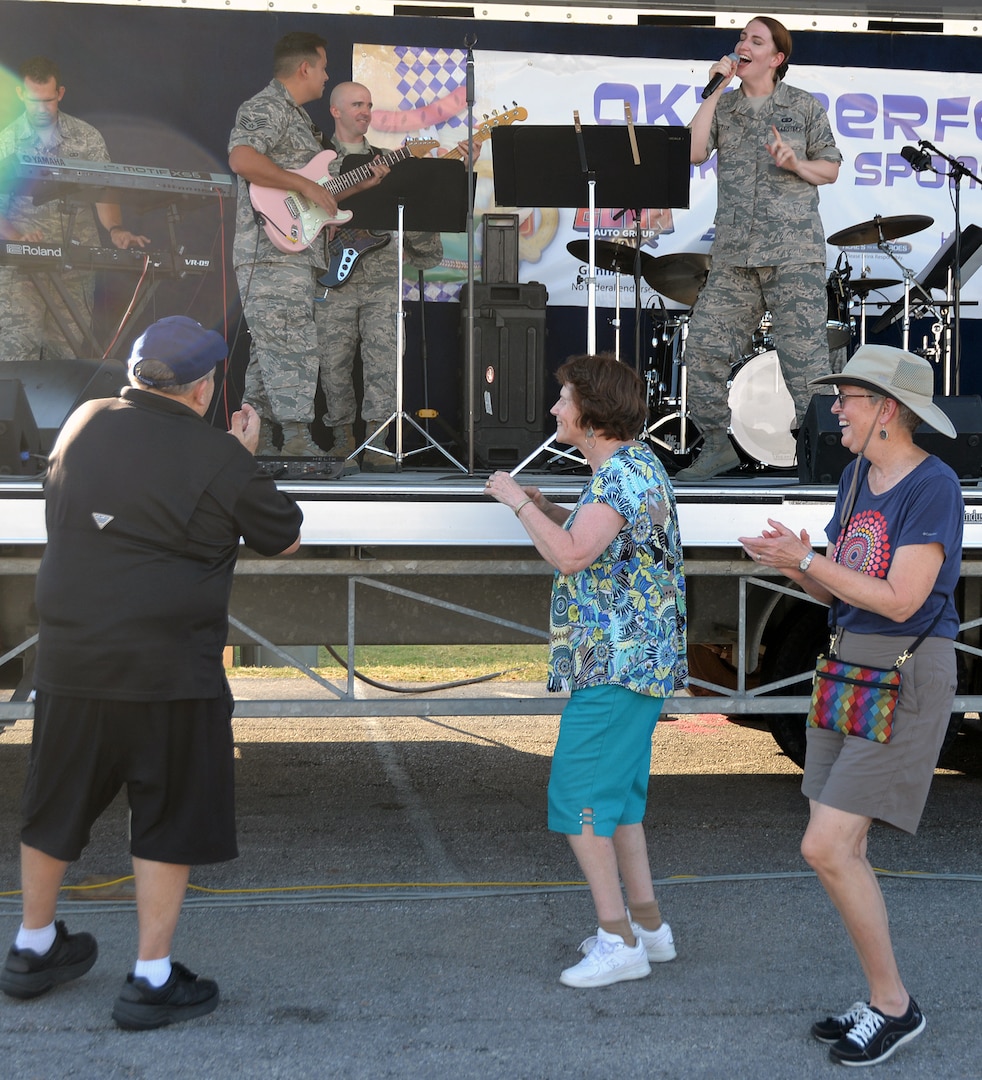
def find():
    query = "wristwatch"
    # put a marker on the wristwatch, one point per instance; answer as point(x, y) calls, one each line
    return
point(806, 561)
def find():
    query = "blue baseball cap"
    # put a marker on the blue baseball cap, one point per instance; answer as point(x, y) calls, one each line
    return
point(184, 347)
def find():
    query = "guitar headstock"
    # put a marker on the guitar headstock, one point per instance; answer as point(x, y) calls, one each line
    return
point(421, 147)
point(497, 119)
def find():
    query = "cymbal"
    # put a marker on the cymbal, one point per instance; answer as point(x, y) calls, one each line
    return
point(680, 277)
point(886, 228)
point(610, 255)
point(862, 286)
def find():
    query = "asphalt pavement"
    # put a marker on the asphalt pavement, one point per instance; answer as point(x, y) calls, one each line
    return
point(399, 909)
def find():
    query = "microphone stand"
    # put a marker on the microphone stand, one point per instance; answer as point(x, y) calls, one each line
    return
point(957, 172)
point(469, 42)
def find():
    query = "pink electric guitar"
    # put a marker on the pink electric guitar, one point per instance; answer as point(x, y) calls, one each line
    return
point(292, 222)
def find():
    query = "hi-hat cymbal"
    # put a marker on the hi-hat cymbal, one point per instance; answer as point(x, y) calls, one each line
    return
point(619, 258)
point(680, 277)
point(862, 286)
point(880, 228)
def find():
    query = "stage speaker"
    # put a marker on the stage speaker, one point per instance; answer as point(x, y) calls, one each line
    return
point(821, 457)
point(510, 381)
point(54, 388)
point(20, 444)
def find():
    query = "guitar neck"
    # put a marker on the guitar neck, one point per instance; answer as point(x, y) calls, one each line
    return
point(457, 154)
point(347, 180)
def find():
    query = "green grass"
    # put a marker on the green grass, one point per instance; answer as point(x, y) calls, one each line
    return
point(428, 663)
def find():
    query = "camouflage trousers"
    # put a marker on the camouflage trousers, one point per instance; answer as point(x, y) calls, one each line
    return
point(721, 329)
point(29, 331)
point(358, 313)
point(281, 378)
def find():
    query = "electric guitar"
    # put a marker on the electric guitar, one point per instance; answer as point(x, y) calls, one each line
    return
point(292, 222)
point(348, 245)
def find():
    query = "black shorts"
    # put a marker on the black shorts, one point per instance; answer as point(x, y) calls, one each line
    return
point(176, 759)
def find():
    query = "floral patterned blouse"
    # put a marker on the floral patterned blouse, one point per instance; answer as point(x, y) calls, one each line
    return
point(621, 621)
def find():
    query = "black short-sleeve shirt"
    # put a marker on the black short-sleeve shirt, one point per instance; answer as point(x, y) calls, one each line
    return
point(145, 507)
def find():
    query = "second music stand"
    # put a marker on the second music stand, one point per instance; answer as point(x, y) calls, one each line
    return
point(422, 195)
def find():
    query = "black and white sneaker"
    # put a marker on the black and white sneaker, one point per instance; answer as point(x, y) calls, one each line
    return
point(834, 1028)
point(874, 1037)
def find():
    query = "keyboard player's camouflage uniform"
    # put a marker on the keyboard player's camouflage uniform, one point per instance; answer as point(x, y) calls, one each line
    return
point(28, 331)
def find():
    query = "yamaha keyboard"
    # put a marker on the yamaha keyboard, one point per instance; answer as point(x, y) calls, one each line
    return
point(56, 257)
point(46, 177)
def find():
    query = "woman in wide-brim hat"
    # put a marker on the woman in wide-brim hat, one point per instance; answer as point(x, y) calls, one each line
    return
point(889, 575)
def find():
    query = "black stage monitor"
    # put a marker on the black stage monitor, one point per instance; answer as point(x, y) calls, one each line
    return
point(543, 166)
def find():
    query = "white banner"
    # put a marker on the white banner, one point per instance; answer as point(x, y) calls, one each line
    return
point(874, 113)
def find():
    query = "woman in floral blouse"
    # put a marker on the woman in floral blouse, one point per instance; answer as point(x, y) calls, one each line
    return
point(618, 644)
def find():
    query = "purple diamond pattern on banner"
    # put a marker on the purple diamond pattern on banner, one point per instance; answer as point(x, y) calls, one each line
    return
point(426, 74)
point(854, 700)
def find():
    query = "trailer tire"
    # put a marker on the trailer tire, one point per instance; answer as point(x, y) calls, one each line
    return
point(795, 647)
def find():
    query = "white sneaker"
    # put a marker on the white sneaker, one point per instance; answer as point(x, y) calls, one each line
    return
point(609, 961)
point(659, 944)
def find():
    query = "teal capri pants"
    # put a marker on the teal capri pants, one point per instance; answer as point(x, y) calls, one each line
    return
point(602, 760)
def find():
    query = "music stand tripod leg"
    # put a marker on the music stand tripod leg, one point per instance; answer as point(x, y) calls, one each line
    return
point(400, 413)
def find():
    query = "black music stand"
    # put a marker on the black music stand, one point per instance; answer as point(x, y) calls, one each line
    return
point(424, 195)
point(559, 165)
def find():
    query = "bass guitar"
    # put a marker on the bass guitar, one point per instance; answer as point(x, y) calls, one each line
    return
point(348, 245)
point(292, 222)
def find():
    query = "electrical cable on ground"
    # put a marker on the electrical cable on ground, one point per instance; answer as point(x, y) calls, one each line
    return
point(415, 689)
point(400, 891)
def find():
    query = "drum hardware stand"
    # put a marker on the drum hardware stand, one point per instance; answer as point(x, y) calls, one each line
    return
point(956, 172)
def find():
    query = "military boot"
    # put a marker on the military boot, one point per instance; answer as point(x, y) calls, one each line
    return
point(373, 461)
point(716, 456)
point(343, 448)
point(344, 441)
point(297, 441)
point(267, 440)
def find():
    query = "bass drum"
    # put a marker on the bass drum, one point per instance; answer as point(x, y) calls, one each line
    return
point(762, 410)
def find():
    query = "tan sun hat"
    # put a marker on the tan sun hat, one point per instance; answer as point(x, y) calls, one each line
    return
point(904, 376)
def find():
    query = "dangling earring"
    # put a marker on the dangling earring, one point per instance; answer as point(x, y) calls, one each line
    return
point(591, 435)
point(884, 435)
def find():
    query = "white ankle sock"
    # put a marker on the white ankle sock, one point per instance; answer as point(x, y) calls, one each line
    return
point(39, 941)
point(156, 972)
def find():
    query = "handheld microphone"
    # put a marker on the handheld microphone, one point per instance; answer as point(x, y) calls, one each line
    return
point(918, 159)
point(713, 85)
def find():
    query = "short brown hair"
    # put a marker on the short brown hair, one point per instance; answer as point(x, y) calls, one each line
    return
point(293, 49)
point(40, 69)
point(609, 394)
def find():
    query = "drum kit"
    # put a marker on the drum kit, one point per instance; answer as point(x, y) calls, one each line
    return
point(762, 410)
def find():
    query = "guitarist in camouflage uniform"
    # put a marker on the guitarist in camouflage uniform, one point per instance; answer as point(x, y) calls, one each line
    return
point(273, 137)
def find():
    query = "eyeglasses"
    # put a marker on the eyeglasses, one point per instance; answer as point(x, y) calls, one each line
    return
point(843, 398)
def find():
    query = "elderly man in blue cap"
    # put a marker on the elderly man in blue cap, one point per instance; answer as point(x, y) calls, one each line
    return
point(145, 507)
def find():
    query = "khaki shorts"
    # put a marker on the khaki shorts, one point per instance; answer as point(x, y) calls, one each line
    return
point(887, 781)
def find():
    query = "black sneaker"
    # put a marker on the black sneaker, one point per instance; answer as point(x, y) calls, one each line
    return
point(834, 1028)
point(184, 996)
point(27, 974)
point(874, 1037)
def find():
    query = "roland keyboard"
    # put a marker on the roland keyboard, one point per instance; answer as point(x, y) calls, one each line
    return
point(56, 257)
